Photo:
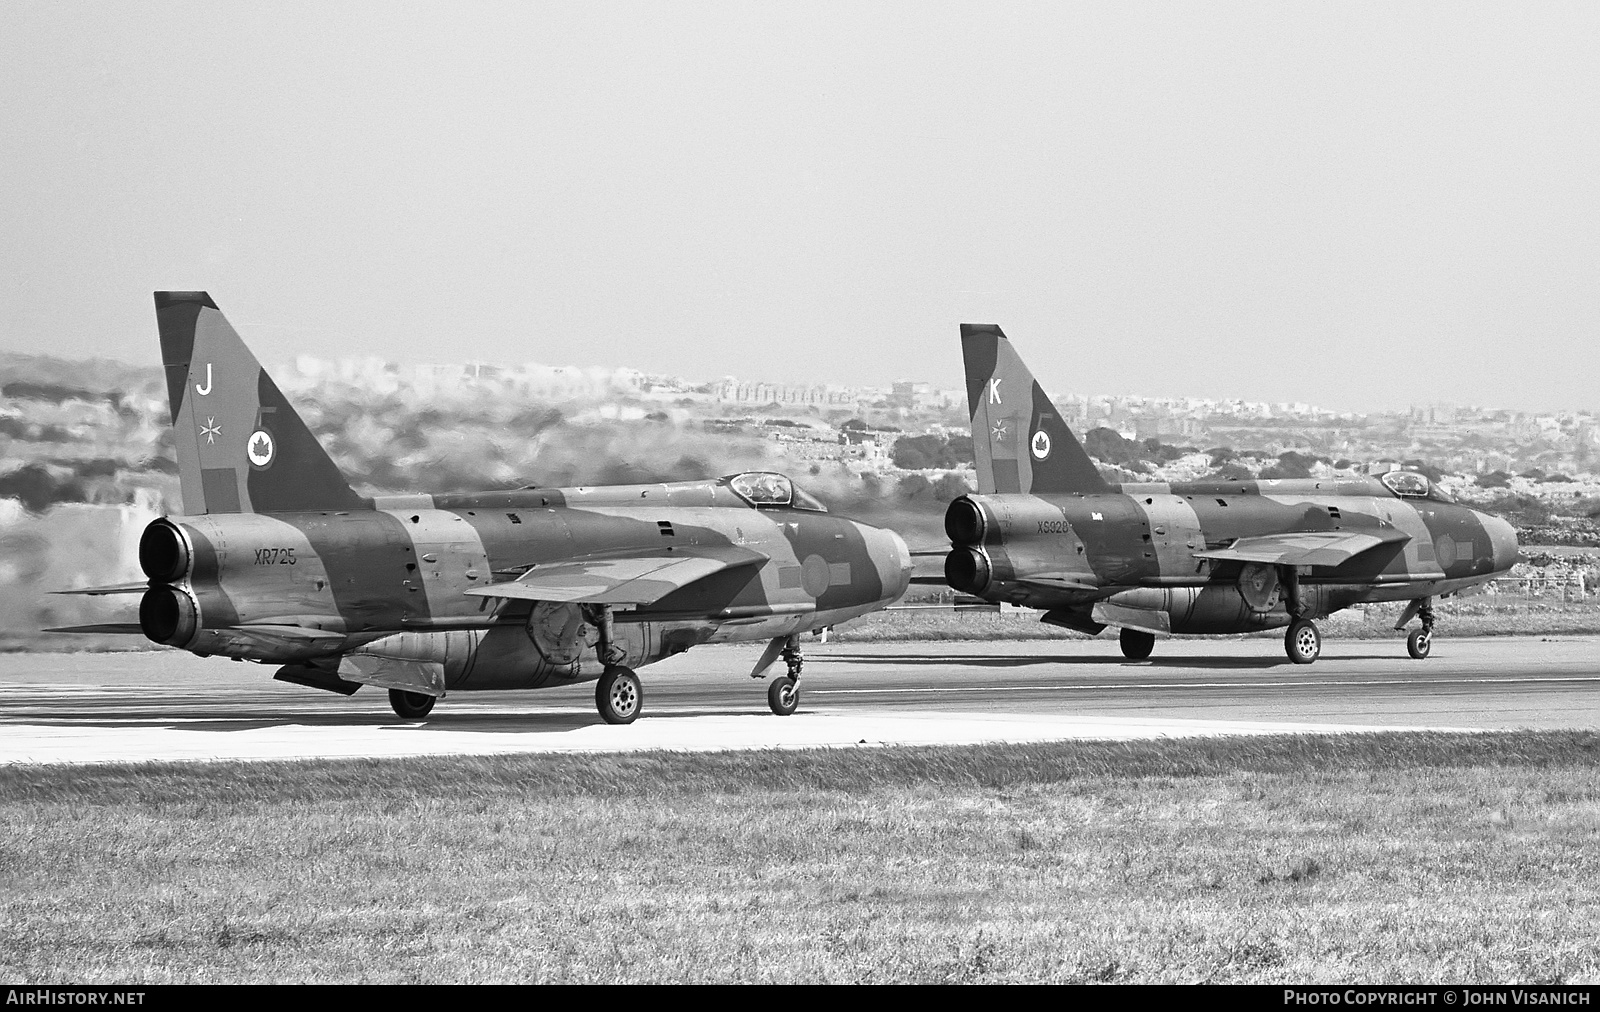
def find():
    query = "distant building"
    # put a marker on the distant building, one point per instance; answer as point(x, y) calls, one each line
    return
point(734, 391)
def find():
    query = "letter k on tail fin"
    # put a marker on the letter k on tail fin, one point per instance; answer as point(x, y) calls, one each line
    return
point(1021, 441)
point(241, 447)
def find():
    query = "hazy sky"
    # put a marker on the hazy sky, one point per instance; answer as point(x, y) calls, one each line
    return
point(1361, 206)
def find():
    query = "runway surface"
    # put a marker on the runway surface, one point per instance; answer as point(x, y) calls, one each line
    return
point(168, 705)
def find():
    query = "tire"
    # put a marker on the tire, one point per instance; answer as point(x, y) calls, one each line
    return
point(783, 695)
point(1302, 642)
point(1136, 644)
point(618, 696)
point(1419, 644)
point(410, 705)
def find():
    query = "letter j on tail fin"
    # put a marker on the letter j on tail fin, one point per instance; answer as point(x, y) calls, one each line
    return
point(1021, 440)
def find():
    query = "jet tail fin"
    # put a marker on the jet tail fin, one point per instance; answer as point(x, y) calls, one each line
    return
point(1021, 440)
point(241, 447)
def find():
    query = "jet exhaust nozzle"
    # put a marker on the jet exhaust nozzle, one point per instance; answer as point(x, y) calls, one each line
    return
point(163, 551)
point(168, 616)
point(964, 522)
point(967, 570)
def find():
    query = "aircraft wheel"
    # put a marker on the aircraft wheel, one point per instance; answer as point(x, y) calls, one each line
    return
point(783, 695)
point(1303, 643)
point(618, 696)
point(410, 705)
point(1136, 645)
point(1419, 643)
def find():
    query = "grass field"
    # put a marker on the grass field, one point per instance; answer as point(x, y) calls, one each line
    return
point(1372, 858)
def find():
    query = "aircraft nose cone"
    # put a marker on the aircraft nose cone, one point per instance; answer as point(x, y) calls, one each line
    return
point(1503, 540)
point(889, 551)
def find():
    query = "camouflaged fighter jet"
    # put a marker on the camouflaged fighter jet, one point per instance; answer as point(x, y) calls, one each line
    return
point(1045, 530)
point(278, 560)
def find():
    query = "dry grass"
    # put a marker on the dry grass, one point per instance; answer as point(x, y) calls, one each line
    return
point(1394, 857)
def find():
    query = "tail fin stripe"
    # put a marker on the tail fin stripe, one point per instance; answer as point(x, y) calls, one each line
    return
point(176, 318)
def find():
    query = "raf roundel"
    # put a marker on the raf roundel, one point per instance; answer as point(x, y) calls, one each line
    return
point(261, 448)
point(1041, 444)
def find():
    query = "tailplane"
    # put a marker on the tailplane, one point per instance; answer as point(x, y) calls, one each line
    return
point(1021, 441)
point(241, 447)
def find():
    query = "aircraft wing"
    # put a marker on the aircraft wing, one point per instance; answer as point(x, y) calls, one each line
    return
point(637, 577)
point(102, 628)
point(265, 634)
point(1305, 548)
point(120, 588)
point(927, 565)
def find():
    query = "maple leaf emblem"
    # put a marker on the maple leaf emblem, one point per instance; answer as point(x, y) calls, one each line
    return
point(260, 447)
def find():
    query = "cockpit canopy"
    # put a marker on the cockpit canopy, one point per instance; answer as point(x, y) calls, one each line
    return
point(1411, 485)
point(771, 490)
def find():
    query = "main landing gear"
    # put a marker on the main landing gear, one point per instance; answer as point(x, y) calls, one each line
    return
point(617, 695)
point(410, 705)
point(1302, 641)
point(1420, 643)
point(1136, 644)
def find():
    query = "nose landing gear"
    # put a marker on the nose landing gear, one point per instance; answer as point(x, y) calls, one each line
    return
point(1420, 642)
point(783, 695)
